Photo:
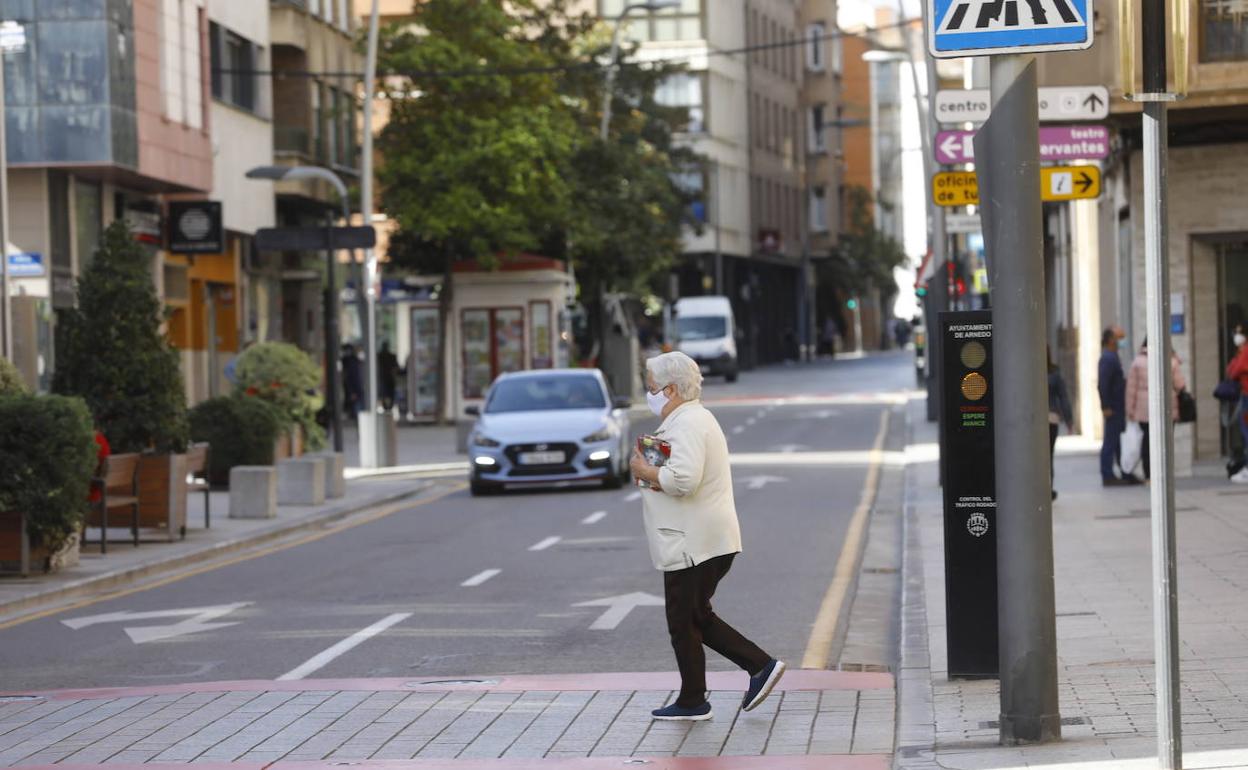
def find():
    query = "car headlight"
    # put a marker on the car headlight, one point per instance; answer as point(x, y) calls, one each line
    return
point(606, 433)
point(479, 439)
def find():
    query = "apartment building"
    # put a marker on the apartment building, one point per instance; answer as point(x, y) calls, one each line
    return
point(1095, 249)
point(108, 116)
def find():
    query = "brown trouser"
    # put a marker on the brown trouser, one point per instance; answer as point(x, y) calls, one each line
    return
point(692, 623)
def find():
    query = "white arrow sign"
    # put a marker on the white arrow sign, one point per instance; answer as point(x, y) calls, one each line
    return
point(618, 608)
point(758, 482)
point(197, 619)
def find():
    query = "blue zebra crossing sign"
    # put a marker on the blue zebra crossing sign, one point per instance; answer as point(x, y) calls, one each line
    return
point(986, 27)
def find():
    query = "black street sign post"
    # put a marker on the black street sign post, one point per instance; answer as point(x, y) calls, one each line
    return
point(970, 516)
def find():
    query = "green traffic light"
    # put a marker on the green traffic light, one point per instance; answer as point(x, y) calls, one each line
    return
point(921, 291)
point(852, 304)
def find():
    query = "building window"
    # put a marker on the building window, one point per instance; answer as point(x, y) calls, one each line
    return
point(1223, 30)
point(684, 22)
point(818, 210)
point(814, 46)
point(836, 54)
point(684, 89)
point(815, 129)
point(234, 65)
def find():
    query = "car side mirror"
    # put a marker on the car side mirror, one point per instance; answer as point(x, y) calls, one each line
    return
point(622, 402)
point(472, 411)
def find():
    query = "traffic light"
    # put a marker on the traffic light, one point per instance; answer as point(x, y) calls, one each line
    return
point(920, 290)
point(851, 303)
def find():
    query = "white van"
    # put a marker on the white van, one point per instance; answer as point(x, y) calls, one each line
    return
point(705, 331)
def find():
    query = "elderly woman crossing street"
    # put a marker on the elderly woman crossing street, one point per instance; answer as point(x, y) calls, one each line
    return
point(691, 525)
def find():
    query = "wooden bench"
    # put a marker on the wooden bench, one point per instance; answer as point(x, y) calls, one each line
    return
point(197, 459)
point(118, 487)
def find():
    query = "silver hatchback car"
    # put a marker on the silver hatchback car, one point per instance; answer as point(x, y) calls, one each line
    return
point(549, 427)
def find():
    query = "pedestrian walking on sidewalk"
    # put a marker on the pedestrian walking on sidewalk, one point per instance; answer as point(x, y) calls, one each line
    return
point(1111, 384)
point(1060, 413)
point(693, 533)
point(1237, 370)
point(1137, 396)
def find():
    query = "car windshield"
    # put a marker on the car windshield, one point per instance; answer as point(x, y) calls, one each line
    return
point(531, 394)
point(701, 327)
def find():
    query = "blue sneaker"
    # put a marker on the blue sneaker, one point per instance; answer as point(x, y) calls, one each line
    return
point(761, 684)
point(674, 713)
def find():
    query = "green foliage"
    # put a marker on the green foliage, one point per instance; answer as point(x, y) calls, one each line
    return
point(47, 458)
point(473, 165)
point(287, 379)
point(866, 257)
point(11, 383)
point(110, 351)
point(241, 429)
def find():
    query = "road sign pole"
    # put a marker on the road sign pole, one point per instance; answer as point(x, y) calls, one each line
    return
point(1160, 385)
point(937, 299)
point(1009, 169)
point(332, 354)
point(6, 303)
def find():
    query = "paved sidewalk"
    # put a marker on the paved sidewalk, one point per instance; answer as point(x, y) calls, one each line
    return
point(814, 719)
point(1104, 626)
point(124, 564)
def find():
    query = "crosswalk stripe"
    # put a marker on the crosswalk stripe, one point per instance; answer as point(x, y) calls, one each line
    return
point(992, 15)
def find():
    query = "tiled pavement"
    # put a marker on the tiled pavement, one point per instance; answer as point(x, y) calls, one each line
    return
point(814, 719)
point(1103, 585)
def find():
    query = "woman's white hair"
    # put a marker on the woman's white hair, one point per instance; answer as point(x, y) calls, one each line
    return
point(677, 369)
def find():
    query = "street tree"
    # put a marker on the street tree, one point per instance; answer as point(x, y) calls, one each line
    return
point(478, 141)
point(865, 257)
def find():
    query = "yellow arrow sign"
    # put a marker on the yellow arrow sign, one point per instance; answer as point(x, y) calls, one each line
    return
point(1057, 183)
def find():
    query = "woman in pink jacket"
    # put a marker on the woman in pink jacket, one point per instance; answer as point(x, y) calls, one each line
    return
point(1137, 395)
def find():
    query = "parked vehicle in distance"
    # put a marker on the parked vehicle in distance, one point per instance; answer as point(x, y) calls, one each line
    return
point(549, 427)
point(706, 332)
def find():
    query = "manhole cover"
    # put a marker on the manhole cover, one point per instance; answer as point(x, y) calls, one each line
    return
point(452, 682)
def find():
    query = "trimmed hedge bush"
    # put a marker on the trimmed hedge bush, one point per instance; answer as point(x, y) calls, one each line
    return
point(110, 351)
point(48, 455)
point(241, 429)
point(11, 383)
point(288, 379)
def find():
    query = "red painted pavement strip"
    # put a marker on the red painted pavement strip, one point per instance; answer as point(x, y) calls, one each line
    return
point(793, 680)
point(808, 762)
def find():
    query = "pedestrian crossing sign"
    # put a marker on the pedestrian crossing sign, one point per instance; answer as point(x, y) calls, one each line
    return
point(987, 27)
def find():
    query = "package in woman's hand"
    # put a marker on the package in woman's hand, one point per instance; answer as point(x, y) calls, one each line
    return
point(656, 451)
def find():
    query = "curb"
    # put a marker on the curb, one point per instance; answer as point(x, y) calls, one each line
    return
point(15, 609)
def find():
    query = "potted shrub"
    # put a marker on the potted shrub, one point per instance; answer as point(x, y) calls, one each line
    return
point(241, 430)
point(47, 458)
point(112, 352)
point(287, 379)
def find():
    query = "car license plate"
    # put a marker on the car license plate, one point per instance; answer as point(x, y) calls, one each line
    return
point(540, 458)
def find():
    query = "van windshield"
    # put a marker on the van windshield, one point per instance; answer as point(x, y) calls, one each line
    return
point(701, 327)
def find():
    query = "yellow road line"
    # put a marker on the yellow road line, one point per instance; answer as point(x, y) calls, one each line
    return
point(819, 647)
point(348, 523)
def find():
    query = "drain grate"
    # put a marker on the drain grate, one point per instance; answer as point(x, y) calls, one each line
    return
point(879, 570)
point(452, 682)
point(19, 698)
point(1066, 722)
point(1075, 614)
point(870, 668)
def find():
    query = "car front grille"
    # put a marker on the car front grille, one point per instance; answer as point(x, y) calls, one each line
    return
point(541, 470)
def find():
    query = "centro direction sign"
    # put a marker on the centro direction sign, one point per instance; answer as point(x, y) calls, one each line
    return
point(984, 27)
point(1056, 143)
point(1057, 103)
point(1057, 183)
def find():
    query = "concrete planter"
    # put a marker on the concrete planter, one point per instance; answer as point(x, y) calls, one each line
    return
point(162, 494)
point(41, 559)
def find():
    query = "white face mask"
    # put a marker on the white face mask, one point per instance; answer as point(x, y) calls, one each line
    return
point(657, 402)
point(1239, 339)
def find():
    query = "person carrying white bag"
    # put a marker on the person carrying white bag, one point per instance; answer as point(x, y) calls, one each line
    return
point(1135, 437)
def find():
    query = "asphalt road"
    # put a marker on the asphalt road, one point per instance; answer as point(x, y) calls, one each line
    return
point(459, 586)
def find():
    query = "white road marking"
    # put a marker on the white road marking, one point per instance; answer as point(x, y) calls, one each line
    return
point(632, 498)
point(324, 658)
point(544, 544)
point(758, 482)
point(618, 608)
point(196, 620)
point(594, 517)
point(848, 458)
point(738, 430)
point(480, 577)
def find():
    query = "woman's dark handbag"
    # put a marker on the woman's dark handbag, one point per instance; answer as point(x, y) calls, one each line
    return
point(1227, 390)
point(1187, 407)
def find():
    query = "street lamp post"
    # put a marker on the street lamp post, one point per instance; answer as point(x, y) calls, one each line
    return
point(653, 5)
point(295, 173)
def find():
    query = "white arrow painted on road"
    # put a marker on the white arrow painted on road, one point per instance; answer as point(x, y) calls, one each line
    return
point(758, 482)
point(823, 414)
point(618, 608)
point(789, 448)
point(197, 619)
